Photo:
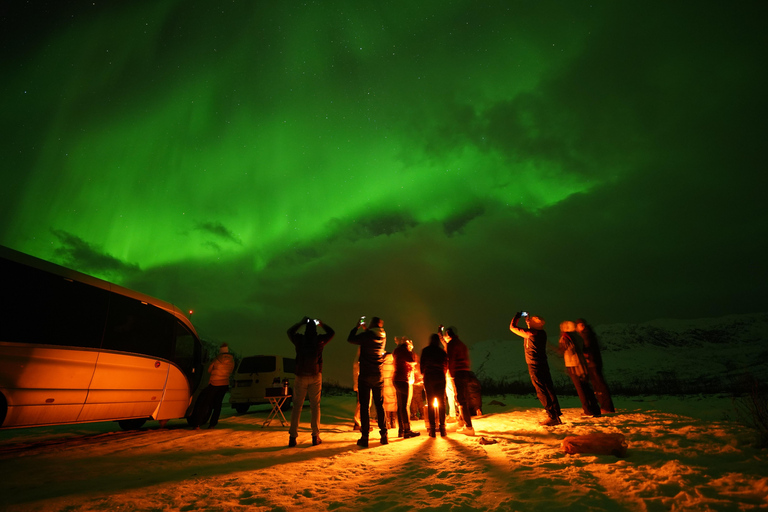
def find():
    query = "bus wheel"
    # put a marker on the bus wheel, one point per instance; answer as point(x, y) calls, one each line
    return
point(241, 408)
point(3, 408)
point(133, 424)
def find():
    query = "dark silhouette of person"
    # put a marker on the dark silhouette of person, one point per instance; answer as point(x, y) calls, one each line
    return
point(460, 370)
point(370, 383)
point(433, 364)
point(309, 373)
point(212, 396)
point(595, 366)
point(538, 367)
point(570, 346)
point(405, 362)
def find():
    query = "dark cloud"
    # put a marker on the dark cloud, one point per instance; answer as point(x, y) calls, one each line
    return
point(218, 230)
point(74, 252)
point(454, 223)
point(372, 225)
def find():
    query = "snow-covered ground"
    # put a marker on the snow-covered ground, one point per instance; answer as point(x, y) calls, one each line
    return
point(684, 454)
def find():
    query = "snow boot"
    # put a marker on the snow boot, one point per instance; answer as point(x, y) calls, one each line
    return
point(363, 442)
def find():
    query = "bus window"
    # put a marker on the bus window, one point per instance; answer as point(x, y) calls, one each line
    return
point(134, 326)
point(49, 309)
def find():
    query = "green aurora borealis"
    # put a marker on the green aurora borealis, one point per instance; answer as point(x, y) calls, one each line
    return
point(426, 162)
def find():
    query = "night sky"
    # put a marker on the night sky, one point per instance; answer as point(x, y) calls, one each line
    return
point(426, 162)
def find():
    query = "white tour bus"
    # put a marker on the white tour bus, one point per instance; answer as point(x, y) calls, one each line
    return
point(76, 349)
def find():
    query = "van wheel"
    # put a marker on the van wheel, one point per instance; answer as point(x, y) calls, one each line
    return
point(240, 408)
point(133, 424)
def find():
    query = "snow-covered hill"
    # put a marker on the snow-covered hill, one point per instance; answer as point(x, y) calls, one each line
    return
point(711, 348)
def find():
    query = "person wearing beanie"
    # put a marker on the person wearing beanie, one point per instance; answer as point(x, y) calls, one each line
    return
point(211, 398)
point(535, 338)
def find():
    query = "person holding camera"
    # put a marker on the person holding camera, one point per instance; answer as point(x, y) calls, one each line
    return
point(370, 382)
point(309, 373)
point(538, 367)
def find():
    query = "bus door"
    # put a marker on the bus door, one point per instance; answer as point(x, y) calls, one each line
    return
point(133, 366)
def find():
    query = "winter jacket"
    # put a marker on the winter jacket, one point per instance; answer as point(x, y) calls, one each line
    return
point(570, 346)
point(372, 342)
point(221, 368)
point(388, 393)
point(458, 357)
point(591, 348)
point(309, 349)
point(404, 362)
point(433, 362)
point(535, 342)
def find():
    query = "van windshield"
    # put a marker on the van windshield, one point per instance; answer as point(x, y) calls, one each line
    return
point(258, 364)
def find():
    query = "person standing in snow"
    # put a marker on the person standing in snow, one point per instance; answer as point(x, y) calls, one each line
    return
point(309, 374)
point(370, 382)
point(212, 396)
point(433, 365)
point(570, 346)
point(595, 366)
point(388, 391)
point(405, 361)
point(460, 371)
point(538, 367)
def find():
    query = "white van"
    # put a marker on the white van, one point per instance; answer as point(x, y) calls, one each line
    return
point(258, 377)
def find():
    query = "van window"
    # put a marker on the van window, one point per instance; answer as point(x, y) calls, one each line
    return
point(258, 364)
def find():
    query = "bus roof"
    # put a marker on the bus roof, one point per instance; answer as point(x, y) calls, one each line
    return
point(67, 273)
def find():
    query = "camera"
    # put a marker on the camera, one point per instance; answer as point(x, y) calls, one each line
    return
point(524, 313)
point(317, 322)
point(362, 320)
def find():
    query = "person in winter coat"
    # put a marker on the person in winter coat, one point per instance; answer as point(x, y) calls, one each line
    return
point(417, 394)
point(595, 366)
point(433, 364)
point(460, 371)
point(309, 373)
point(212, 396)
point(370, 382)
point(388, 392)
point(405, 361)
point(570, 346)
point(538, 367)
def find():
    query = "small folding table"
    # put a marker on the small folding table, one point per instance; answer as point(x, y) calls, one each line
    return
point(277, 412)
